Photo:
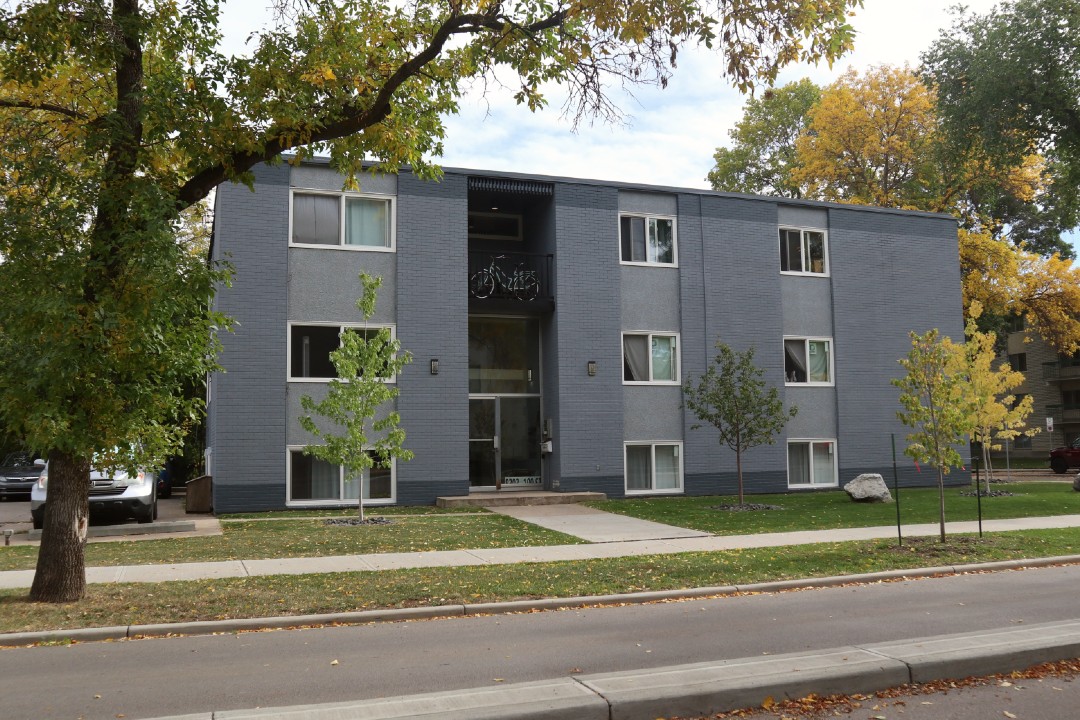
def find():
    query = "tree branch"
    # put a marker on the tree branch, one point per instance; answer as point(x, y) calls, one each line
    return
point(277, 140)
point(44, 107)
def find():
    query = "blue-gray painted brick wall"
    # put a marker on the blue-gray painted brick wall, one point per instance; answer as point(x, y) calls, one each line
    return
point(590, 424)
point(248, 438)
point(433, 322)
point(743, 308)
point(890, 274)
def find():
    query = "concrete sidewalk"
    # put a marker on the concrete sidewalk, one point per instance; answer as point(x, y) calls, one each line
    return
point(551, 553)
point(702, 689)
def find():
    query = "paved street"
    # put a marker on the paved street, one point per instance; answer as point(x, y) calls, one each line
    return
point(158, 677)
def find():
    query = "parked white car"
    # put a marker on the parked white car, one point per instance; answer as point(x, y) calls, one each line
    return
point(110, 492)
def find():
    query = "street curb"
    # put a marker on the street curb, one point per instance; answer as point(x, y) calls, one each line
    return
point(701, 689)
point(210, 627)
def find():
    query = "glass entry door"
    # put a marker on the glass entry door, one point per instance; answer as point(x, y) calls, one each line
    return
point(504, 443)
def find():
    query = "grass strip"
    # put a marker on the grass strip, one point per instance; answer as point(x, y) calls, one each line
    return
point(392, 511)
point(312, 538)
point(106, 605)
point(831, 509)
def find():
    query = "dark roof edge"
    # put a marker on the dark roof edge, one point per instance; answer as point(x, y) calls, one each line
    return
point(667, 189)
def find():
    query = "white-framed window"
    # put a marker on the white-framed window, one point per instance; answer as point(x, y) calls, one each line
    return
point(311, 481)
point(310, 345)
point(811, 463)
point(648, 240)
point(653, 467)
point(650, 358)
point(804, 251)
point(349, 221)
point(808, 361)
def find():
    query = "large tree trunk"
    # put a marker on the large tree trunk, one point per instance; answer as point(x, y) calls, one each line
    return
point(61, 568)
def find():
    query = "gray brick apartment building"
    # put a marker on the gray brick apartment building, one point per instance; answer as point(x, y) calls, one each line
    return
point(552, 322)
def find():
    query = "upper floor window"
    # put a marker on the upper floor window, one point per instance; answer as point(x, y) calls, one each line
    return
point(310, 347)
point(647, 240)
point(808, 361)
point(803, 251)
point(357, 222)
point(650, 358)
point(1018, 362)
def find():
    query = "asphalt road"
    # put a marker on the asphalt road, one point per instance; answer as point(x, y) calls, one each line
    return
point(148, 678)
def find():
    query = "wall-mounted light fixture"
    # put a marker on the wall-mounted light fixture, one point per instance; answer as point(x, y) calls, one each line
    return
point(434, 366)
point(591, 366)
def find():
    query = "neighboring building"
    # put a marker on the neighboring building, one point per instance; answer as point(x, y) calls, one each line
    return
point(552, 309)
point(1052, 380)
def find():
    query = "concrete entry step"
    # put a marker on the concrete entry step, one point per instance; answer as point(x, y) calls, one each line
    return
point(504, 499)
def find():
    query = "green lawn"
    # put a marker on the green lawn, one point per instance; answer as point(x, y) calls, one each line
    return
point(312, 538)
point(106, 605)
point(351, 512)
point(832, 509)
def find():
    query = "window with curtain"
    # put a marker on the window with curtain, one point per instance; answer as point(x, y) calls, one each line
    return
point(315, 219)
point(367, 222)
point(811, 463)
point(647, 240)
point(653, 467)
point(316, 481)
point(808, 360)
point(803, 251)
point(650, 358)
point(342, 220)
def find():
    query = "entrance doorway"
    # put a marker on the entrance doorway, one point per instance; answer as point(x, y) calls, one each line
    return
point(504, 404)
point(504, 443)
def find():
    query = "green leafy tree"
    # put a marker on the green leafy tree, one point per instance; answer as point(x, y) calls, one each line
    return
point(732, 397)
point(356, 397)
point(1009, 81)
point(116, 117)
point(932, 398)
point(762, 152)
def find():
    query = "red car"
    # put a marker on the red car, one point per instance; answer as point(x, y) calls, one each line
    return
point(1063, 458)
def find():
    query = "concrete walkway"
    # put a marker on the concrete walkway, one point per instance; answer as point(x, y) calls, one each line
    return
point(594, 525)
point(677, 540)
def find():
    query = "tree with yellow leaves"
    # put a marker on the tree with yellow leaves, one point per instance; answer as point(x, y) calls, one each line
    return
point(986, 392)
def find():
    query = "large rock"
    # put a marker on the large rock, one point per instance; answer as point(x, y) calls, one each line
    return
point(1076, 482)
point(868, 487)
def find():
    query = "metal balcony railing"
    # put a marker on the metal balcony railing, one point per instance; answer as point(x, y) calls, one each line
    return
point(519, 277)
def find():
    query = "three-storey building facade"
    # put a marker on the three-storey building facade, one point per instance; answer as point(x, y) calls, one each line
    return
point(553, 322)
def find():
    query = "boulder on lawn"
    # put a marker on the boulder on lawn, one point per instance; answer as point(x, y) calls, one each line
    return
point(869, 488)
point(1076, 482)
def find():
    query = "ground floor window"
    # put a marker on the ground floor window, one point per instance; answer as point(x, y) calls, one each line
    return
point(314, 481)
point(811, 463)
point(654, 467)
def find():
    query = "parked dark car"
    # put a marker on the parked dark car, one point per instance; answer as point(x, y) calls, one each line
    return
point(17, 474)
point(1065, 457)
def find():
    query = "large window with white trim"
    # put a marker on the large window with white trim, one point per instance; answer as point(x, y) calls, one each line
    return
point(342, 220)
point(312, 481)
point(808, 361)
point(647, 240)
point(310, 345)
point(650, 358)
point(812, 463)
point(803, 251)
point(653, 467)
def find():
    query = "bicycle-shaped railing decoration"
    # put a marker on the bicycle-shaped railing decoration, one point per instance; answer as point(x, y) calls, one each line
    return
point(522, 284)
